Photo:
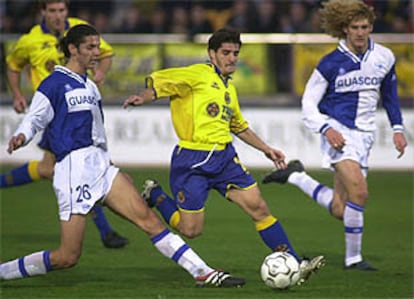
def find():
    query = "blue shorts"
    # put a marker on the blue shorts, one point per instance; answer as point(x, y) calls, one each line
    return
point(194, 173)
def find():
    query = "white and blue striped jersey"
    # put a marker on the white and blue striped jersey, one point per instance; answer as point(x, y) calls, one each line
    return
point(347, 87)
point(68, 107)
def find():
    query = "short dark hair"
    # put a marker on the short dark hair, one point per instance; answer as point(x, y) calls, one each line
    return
point(43, 3)
point(75, 36)
point(223, 35)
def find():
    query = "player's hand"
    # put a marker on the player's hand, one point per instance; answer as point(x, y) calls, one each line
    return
point(98, 76)
point(335, 139)
point(277, 156)
point(16, 142)
point(400, 143)
point(145, 96)
point(20, 104)
point(133, 100)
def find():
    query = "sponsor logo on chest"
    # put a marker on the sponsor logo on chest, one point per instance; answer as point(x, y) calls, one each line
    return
point(357, 80)
point(80, 99)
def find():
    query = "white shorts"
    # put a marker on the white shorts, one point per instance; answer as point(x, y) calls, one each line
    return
point(81, 179)
point(358, 145)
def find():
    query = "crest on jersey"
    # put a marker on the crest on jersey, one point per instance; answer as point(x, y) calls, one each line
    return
point(181, 197)
point(213, 109)
point(227, 97)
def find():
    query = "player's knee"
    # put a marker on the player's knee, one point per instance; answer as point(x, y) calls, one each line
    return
point(262, 207)
point(337, 211)
point(361, 196)
point(46, 170)
point(259, 210)
point(190, 232)
point(67, 260)
point(46, 166)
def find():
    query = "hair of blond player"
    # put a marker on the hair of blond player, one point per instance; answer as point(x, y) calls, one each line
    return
point(338, 14)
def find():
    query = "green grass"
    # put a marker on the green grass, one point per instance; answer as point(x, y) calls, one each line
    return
point(29, 223)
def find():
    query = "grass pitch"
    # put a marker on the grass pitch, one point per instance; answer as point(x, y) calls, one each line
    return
point(29, 223)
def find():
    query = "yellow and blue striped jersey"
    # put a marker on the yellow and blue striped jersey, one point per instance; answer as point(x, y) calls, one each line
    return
point(204, 107)
point(39, 49)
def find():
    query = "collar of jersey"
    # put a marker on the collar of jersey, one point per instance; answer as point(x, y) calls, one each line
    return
point(76, 76)
point(225, 79)
point(356, 58)
point(46, 30)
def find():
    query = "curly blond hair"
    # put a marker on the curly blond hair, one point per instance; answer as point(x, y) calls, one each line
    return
point(338, 14)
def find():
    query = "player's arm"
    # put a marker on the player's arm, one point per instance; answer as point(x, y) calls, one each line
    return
point(16, 60)
point(163, 83)
point(105, 62)
point(100, 71)
point(145, 96)
point(252, 139)
point(314, 92)
point(19, 101)
point(391, 103)
point(15, 142)
point(40, 114)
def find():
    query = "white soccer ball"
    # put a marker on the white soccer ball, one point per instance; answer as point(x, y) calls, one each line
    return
point(280, 270)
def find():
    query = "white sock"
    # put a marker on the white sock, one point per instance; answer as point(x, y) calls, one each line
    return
point(37, 263)
point(174, 247)
point(354, 226)
point(321, 194)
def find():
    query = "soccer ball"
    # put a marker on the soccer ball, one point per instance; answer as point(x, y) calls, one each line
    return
point(280, 270)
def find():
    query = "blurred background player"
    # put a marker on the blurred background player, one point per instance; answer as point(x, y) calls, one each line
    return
point(39, 50)
point(205, 113)
point(345, 87)
point(68, 104)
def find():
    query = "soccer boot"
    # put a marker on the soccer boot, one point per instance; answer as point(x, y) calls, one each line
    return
point(281, 175)
point(362, 265)
point(114, 240)
point(309, 266)
point(219, 279)
point(149, 185)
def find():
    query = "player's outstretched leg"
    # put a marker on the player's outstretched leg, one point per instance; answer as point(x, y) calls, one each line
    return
point(281, 176)
point(34, 264)
point(175, 248)
point(20, 175)
point(295, 174)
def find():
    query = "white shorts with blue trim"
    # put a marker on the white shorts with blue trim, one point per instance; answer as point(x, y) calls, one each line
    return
point(81, 179)
point(358, 145)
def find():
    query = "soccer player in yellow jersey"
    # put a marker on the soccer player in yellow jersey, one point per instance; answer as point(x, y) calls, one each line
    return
point(205, 114)
point(39, 50)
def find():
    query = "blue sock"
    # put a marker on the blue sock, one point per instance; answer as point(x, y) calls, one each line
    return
point(165, 205)
point(20, 175)
point(100, 220)
point(274, 236)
